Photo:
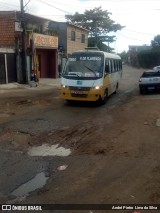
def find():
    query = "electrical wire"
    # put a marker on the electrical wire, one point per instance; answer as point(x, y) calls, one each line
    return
point(149, 34)
point(131, 38)
point(62, 4)
point(8, 5)
point(27, 3)
point(55, 2)
point(53, 6)
point(118, 0)
point(52, 1)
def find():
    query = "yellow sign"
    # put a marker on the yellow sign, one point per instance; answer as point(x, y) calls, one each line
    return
point(45, 41)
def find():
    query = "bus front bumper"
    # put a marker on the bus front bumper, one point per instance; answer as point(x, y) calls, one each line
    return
point(91, 95)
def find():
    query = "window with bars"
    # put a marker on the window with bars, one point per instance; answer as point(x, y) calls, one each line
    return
point(73, 36)
point(83, 38)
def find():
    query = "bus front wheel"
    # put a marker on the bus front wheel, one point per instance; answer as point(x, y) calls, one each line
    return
point(104, 98)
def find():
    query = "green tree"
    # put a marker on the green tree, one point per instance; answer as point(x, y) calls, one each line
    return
point(124, 56)
point(102, 46)
point(98, 23)
point(156, 42)
point(149, 58)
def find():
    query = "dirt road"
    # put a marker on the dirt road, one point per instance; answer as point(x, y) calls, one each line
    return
point(113, 150)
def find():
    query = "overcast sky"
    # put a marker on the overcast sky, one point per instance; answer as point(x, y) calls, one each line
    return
point(141, 17)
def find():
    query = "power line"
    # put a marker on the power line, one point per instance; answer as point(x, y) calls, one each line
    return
point(53, 6)
point(58, 2)
point(8, 5)
point(131, 38)
point(26, 3)
point(62, 4)
point(25, 6)
point(118, 0)
point(149, 34)
point(52, 15)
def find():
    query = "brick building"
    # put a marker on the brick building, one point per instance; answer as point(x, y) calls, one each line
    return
point(7, 48)
point(41, 47)
point(134, 50)
point(48, 44)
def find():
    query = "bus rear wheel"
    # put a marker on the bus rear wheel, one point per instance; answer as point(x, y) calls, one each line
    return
point(116, 89)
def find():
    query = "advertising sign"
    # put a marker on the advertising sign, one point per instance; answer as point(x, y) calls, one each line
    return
point(45, 41)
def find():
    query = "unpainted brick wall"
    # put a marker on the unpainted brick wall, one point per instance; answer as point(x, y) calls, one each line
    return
point(7, 28)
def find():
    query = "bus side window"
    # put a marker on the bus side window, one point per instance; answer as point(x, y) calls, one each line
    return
point(112, 66)
point(120, 65)
point(107, 70)
point(116, 65)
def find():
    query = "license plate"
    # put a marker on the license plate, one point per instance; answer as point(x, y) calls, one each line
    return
point(151, 87)
point(78, 92)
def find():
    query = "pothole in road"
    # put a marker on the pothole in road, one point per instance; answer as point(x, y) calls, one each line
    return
point(21, 102)
point(6, 114)
point(20, 138)
point(37, 182)
point(46, 150)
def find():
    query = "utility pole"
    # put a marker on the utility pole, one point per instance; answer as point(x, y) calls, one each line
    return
point(24, 61)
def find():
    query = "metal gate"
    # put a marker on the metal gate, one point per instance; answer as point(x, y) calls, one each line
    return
point(11, 67)
point(8, 72)
point(2, 69)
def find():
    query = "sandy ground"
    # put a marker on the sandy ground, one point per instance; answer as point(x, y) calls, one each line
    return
point(115, 157)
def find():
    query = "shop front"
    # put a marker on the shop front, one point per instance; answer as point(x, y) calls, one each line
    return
point(45, 55)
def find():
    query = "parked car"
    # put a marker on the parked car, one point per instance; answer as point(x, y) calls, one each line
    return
point(157, 68)
point(149, 81)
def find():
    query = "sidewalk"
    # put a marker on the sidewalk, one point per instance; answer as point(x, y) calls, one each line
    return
point(43, 83)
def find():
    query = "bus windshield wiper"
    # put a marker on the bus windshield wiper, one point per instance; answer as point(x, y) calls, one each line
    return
point(90, 70)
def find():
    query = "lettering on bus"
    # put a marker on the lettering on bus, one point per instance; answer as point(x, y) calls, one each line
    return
point(93, 58)
point(72, 59)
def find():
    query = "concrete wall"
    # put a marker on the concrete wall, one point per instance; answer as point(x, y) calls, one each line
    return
point(64, 36)
point(77, 44)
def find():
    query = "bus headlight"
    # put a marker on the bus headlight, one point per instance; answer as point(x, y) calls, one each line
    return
point(96, 87)
point(65, 86)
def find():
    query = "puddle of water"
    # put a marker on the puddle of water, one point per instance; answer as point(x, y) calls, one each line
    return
point(37, 182)
point(19, 138)
point(46, 150)
point(158, 122)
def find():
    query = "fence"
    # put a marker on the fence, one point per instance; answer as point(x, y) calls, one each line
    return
point(8, 72)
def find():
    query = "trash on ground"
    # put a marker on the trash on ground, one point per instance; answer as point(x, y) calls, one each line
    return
point(63, 167)
point(158, 122)
point(49, 150)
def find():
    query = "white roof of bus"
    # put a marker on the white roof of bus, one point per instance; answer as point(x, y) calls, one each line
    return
point(107, 55)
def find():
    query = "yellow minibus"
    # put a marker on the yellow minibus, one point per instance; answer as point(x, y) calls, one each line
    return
point(90, 75)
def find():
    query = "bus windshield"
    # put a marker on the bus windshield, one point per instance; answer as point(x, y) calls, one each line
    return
point(84, 66)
